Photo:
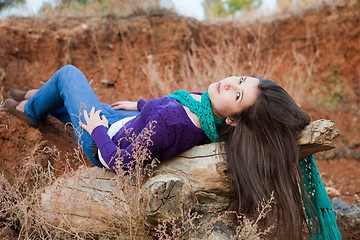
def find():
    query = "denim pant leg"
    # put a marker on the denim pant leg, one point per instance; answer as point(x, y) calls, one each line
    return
point(62, 115)
point(69, 88)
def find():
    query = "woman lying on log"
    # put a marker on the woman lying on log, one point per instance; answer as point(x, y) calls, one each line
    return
point(257, 119)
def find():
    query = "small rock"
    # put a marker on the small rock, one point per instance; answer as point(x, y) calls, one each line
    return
point(349, 214)
point(7, 233)
point(221, 232)
point(332, 191)
point(355, 144)
point(107, 83)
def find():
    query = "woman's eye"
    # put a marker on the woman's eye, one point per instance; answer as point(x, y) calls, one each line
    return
point(238, 95)
point(242, 79)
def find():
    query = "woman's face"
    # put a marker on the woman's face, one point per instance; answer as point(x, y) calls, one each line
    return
point(233, 95)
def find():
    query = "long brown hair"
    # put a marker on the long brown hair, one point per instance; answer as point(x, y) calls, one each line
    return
point(262, 155)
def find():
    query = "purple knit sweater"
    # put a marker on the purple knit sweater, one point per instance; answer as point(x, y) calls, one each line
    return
point(174, 132)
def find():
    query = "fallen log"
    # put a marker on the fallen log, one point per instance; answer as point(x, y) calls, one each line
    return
point(196, 180)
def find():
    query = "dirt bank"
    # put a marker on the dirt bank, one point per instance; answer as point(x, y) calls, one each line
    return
point(314, 54)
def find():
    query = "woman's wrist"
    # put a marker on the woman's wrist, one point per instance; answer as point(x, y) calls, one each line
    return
point(100, 136)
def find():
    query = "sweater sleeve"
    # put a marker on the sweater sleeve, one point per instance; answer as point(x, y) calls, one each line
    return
point(140, 104)
point(144, 146)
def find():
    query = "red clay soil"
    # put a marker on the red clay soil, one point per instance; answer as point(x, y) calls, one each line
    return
point(318, 47)
point(51, 144)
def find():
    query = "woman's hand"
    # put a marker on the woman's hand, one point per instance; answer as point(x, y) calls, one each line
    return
point(93, 120)
point(126, 105)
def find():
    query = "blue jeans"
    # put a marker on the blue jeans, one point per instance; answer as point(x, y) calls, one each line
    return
point(66, 95)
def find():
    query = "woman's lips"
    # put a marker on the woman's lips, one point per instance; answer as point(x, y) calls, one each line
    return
point(218, 86)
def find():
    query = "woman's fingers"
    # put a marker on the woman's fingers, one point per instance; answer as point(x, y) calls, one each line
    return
point(97, 114)
point(87, 119)
point(86, 116)
point(93, 120)
point(105, 121)
point(126, 105)
point(91, 114)
point(118, 105)
point(92, 111)
point(84, 126)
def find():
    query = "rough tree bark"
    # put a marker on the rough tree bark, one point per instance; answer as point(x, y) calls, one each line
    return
point(195, 179)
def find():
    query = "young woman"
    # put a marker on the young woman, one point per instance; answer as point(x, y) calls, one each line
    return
point(258, 121)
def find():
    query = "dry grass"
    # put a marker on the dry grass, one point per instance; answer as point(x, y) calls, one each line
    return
point(19, 198)
point(201, 66)
point(196, 69)
point(249, 228)
point(24, 211)
point(120, 8)
point(296, 69)
point(2, 77)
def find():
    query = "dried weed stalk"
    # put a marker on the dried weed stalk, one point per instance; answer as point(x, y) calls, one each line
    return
point(247, 227)
point(2, 77)
point(245, 53)
point(125, 200)
point(19, 199)
point(128, 193)
point(186, 228)
point(21, 208)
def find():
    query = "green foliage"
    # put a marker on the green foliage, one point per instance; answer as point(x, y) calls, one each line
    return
point(228, 8)
point(9, 3)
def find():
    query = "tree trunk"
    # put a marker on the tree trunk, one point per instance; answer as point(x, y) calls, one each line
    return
point(196, 180)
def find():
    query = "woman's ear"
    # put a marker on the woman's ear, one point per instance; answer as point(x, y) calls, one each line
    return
point(230, 121)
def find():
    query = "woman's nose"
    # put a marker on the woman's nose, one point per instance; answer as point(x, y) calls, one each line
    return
point(228, 86)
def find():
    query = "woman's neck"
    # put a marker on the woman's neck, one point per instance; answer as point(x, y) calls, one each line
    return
point(197, 97)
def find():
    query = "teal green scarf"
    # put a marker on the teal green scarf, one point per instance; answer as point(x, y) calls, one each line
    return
point(208, 120)
point(319, 206)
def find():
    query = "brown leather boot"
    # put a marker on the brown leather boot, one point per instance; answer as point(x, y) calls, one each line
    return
point(10, 107)
point(17, 95)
